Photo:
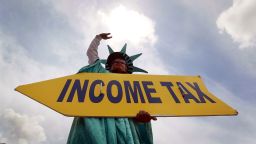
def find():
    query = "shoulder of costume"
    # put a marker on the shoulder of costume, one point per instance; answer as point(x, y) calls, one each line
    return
point(95, 67)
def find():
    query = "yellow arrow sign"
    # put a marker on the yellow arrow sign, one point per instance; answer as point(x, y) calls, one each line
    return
point(118, 95)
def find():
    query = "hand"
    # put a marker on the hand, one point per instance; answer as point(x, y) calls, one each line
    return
point(105, 36)
point(144, 117)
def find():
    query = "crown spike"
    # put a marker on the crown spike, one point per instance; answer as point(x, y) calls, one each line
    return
point(136, 69)
point(123, 50)
point(110, 50)
point(135, 56)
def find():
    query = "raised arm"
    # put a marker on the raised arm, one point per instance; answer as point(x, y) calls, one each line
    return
point(92, 51)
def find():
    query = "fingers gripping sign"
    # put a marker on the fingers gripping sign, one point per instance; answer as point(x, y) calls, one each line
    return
point(144, 117)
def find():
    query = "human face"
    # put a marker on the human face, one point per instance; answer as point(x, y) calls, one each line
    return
point(118, 66)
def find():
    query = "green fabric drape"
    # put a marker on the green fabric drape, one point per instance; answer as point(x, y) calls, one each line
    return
point(108, 130)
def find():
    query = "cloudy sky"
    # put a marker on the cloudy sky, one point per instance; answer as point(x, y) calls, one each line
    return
point(45, 39)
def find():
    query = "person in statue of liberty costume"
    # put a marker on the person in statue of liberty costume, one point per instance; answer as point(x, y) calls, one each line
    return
point(111, 130)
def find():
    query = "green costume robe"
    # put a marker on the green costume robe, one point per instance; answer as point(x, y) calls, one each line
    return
point(108, 130)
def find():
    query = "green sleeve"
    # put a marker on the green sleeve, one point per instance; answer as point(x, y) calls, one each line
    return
point(142, 132)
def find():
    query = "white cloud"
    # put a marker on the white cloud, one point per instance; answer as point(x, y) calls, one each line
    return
point(129, 25)
point(21, 129)
point(239, 21)
point(138, 31)
point(2, 139)
point(17, 68)
point(126, 26)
